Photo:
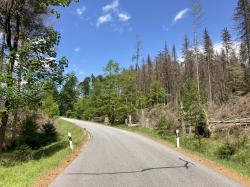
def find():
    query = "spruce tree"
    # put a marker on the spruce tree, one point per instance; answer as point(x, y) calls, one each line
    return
point(242, 18)
point(227, 43)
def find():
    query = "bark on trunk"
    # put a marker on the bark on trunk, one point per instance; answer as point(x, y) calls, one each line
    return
point(13, 47)
point(2, 52)
point(4, 121)
point(247, 28)
point(209, 85)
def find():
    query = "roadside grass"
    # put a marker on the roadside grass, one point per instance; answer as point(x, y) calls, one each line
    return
point(240, 162)
point(25, 173)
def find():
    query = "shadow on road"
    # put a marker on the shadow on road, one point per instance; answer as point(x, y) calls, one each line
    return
point(137, 171)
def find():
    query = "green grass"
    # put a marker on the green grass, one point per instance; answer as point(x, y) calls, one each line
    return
point(26, 173)
point(149, 132)
point(208, 150)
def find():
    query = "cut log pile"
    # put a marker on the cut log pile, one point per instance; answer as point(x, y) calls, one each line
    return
point(225, 125)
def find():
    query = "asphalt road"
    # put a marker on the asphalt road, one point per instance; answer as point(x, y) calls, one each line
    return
point(115, 158)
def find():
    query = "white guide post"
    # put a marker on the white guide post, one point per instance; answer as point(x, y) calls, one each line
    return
point(177, 138)
point(70, 141)
point(106, 120)
point(130, 120)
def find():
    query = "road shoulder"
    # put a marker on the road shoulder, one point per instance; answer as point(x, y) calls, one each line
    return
point(48, 177)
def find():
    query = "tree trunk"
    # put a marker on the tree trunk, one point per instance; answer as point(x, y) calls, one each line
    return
point(247, 28)
point(209, 84)
point(2, 52)
point(14, 127)
point(5, 117)
point(12, 56)
point(196, 60)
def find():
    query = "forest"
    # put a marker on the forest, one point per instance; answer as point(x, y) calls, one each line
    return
point(198, 80)
point(201, 91)
point(32, 80)
point(183, 89)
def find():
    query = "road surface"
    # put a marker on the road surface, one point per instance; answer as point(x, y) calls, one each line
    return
point(115, 158)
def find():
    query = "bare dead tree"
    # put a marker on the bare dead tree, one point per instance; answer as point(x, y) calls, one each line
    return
point(197, 13)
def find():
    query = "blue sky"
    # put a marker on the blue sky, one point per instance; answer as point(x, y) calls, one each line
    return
point(94, 31)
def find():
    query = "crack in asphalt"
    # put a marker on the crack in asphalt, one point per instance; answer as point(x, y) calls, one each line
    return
point(137, 171)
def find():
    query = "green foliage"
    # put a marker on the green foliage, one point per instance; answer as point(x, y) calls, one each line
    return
point(114, 95)
point(28, 60)
point(81, 108)
point(48, 133)
point(195, 143)
point(15, 172)
point(226, 151)
point(23, 153)
point(34, 136)
point(29, 134)
point(163, 126)
point(192, 110)
point(242, 156)
point(63, 3)
point(111, 68)
point(235, 147)
point(236, 78)
point(85, 86)
point(50, 107)
point(241, 17)
point(68, 95)
point(157, 94)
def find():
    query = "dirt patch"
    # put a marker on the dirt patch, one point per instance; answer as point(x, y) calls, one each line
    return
point(46, 179)
point(225, 171)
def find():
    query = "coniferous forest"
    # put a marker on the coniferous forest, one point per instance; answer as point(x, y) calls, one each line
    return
point(199, 79)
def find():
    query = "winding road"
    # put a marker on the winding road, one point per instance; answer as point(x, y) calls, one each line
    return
point(115, 158)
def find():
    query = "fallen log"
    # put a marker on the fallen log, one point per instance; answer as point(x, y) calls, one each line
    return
point(216, 126)
point(230, 122)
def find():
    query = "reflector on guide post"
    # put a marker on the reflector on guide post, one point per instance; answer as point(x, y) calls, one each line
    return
point(70, 141)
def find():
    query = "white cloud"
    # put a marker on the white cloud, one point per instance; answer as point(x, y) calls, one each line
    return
point(111, 7)
point(104, 19)
point(77, 49)
point(124, 17)
point(237, 47)
point(80, 11)
point(219, 46)
point(181, 14)
point(112, 12)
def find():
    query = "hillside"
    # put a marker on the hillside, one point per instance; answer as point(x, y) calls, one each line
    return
point(237, 107)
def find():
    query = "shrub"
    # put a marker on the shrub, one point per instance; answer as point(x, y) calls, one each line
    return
point(239, 138)
point(242, 157)
point(194, 143)
point(226, 151)
point(35, 137)
point(23, 153)
point(29, 134)
point(70, 113)
point(49, 133)
point(163, 126)
point(50, 107)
